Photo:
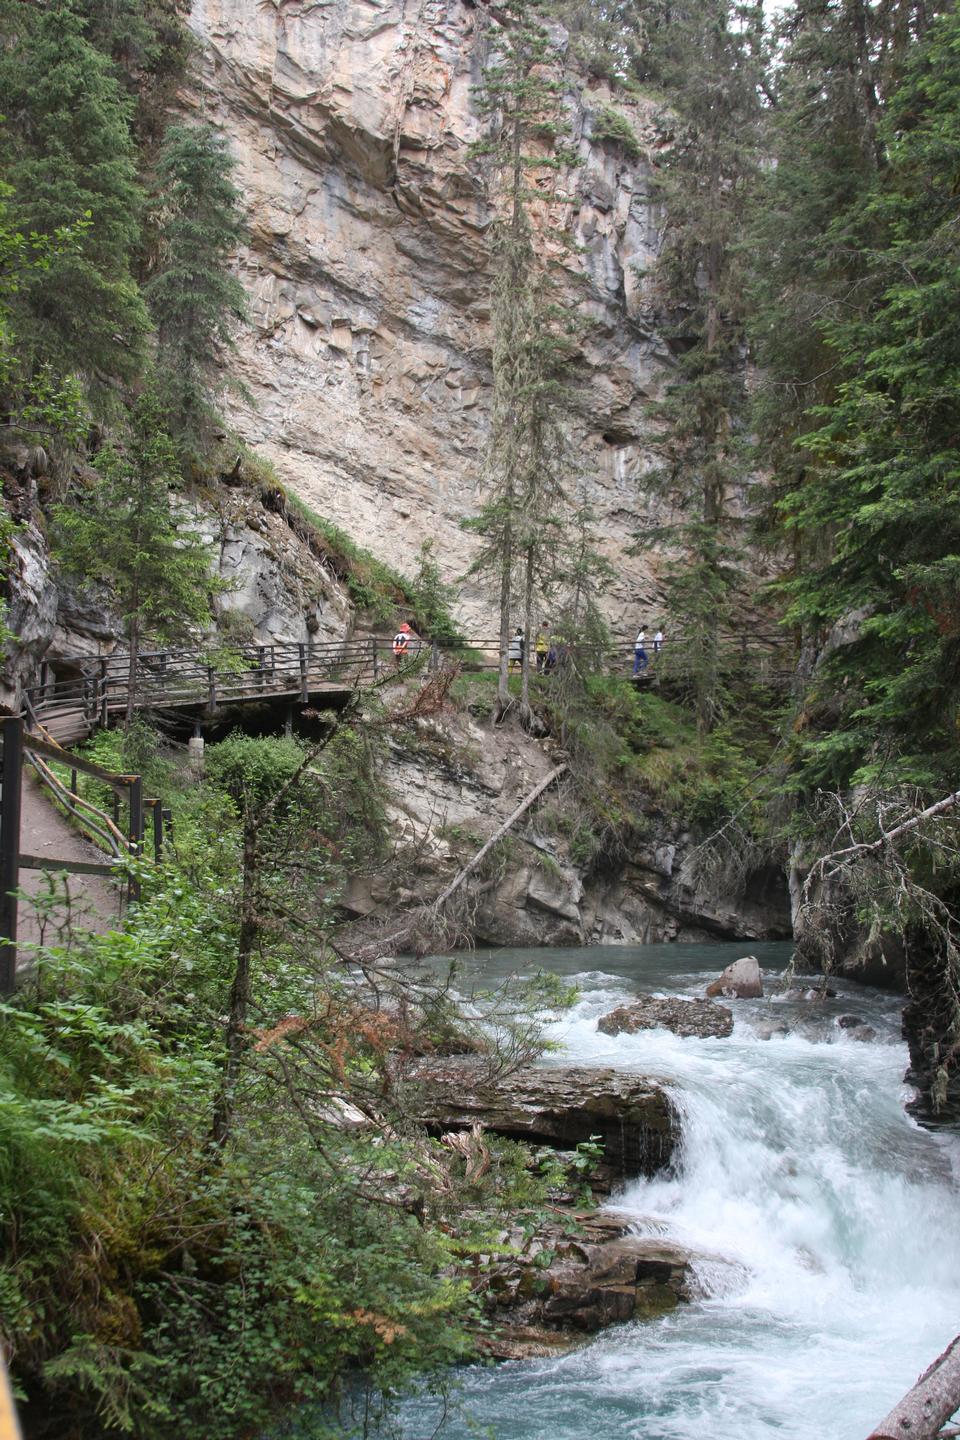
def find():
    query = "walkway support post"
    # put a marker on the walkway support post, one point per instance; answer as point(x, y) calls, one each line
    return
point(11, 775)
point(304, 693)
point(135, 830)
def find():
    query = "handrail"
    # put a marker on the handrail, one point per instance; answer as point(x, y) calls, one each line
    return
point(168, 679)
point(112, 835)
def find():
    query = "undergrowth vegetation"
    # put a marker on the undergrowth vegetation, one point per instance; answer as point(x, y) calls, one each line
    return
point(215, 1200)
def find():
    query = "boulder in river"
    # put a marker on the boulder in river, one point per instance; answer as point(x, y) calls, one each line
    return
point(741, 980)
point(569, 1282)
point(700, 1018)
point(556, 1106)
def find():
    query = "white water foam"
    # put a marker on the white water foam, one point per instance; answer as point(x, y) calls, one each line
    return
point(829, 1225)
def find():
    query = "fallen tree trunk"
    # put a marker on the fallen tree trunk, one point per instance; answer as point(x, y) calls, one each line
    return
point(924, 1410)
point(485, 849)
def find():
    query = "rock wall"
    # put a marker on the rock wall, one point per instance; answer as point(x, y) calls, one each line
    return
point(368, 360)
point(279, 590)
point(453, 781)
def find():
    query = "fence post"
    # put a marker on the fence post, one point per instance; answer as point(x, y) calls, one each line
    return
point(104, 710)
point(135, 829)
point(376, 657)
point(304, 693)
point(10, 850)
point(211, 687)
point(157, 830)
point(434, 655)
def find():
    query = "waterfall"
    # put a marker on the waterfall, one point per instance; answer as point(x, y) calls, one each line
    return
point(827, 1225)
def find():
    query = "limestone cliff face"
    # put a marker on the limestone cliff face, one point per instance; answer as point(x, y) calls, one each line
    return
point(452, 782)
point(278, 590)
point(368, 360)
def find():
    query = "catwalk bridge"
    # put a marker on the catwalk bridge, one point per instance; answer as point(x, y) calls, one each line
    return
point(79, 694)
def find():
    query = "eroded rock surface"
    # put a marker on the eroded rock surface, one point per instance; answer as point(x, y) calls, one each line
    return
point(567, 1282)
point(699, 1018)
point(562, 1107)
point(367, 365)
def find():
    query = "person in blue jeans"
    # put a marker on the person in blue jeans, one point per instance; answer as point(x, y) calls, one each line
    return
point(640, 660)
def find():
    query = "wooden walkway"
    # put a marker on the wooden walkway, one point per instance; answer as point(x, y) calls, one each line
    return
point(78, 694)
point(88, 901)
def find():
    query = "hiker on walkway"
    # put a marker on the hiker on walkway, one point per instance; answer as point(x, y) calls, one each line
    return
point(401, 645)
point(657, 643)
point(640, 657)
point(515, 651)
point(542, 646)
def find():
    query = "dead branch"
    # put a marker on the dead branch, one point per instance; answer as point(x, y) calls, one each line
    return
point(850, 853)
point(926, 1408)
point(508, 824)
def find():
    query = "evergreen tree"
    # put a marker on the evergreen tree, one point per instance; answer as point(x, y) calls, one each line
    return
point(879, 503)
point(707, 56)
point(525, 462)
point(835, 66)
point(193, 297)
point(127, 535)
point(67, 152)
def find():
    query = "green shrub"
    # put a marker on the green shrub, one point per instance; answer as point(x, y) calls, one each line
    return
point(614, 127)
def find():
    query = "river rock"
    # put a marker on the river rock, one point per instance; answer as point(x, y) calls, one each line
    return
point(700, 1018)
point(632, 1116)
point(740, 980)
point(767, 1029)
point(568, 1282)
point(813, 992)
point(864, 1033)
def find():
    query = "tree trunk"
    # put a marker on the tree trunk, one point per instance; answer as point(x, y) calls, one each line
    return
point(240, 989)
point(485, 849)
point(132, 668)
point(525, 710)
point(503, 679)
point(924, 1410)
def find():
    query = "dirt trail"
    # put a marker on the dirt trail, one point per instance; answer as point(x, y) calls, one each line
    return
point(91, 902)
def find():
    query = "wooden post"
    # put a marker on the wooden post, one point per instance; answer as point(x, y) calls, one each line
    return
point(261, 665)
point(135, 829)
point(73, 783)
point(304, 693)
point(376, 657)
point(157, 830)
point(434, 655)
point(104, 709)
point(211, 687)
point(10, 850)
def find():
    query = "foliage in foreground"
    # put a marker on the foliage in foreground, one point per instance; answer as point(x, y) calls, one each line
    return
point(161, 1276)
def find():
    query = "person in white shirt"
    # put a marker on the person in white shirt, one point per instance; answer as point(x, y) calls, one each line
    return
point(640, 660)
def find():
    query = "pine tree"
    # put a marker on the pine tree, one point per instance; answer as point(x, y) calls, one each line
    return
point(67, 153)
point(835, 66)
point(525, 462)
point(127, 535)
point(879, 503)
point(708, 58)
point(193, 297)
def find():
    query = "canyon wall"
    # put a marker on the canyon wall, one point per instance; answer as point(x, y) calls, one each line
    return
point(367, 362)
